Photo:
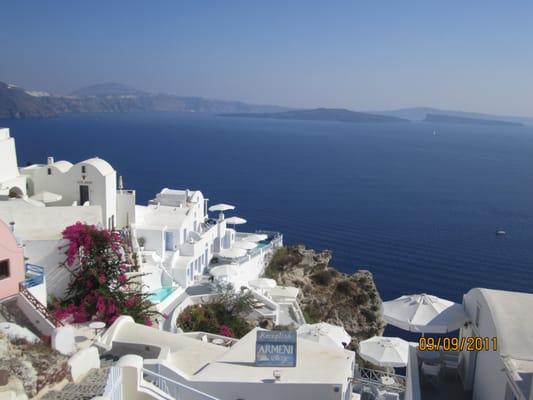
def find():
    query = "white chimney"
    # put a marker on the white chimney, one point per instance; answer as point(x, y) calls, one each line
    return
point(120, 183)
point(50, 160)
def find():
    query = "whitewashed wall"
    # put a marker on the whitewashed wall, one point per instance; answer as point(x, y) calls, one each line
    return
point(46, 254)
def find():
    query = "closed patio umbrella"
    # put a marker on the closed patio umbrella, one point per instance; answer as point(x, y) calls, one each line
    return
point(385, 351)
point(424, 313)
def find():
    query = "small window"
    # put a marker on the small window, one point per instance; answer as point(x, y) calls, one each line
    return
point(478, 313)
point(4, 269)
point(83, 169)
point(49, 171)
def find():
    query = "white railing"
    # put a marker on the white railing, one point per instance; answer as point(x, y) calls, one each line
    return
point(382, 380)
point(298, 312)
point(113, 387)
point(174, 389)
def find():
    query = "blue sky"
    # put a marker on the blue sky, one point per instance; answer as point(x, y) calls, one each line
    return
point(363, 55)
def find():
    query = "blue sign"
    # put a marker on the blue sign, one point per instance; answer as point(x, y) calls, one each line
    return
point(275, 349)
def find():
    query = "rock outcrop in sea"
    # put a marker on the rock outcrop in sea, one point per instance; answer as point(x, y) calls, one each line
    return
point(348, 300)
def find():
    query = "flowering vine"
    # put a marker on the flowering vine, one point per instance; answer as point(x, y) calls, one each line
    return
point(100, 288)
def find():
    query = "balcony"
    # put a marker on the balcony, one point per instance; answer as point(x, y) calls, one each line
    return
point(34, 276)
point(377, 385)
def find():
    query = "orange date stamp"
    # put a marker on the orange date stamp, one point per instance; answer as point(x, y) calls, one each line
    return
point(458, 344)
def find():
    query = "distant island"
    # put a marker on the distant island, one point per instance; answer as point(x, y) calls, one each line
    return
point(454, 119)
point(322, 114)
point(17, 102)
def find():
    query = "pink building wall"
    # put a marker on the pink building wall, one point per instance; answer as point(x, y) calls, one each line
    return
point(9, 250)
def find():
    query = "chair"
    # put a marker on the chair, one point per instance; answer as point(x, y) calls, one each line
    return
point(389, 396)
point(431, 372)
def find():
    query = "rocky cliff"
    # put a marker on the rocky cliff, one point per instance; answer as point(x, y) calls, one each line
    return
point(349, 300)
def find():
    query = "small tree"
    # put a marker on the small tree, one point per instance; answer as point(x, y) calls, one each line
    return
point(99, 288)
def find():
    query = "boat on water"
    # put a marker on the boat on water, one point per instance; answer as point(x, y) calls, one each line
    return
point(501, 232)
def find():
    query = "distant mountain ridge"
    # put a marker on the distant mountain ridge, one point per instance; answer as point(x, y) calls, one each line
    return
point(420, 114)
point(108, 89)
point(16, 102)
point(323, 114)
point(454, 119)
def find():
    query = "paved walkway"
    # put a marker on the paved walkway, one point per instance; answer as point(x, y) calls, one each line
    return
point(92, 385)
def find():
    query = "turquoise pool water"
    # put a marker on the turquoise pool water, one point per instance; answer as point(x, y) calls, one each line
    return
point(262, 243)
point(161, 294)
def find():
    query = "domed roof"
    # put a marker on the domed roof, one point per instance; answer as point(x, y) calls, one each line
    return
point(101, 165)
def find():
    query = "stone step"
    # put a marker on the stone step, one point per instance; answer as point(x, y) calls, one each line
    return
point(92, 385)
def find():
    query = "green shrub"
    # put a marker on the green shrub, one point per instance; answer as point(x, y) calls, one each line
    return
point(322, 278)
point(345, 287)
point(227, 309)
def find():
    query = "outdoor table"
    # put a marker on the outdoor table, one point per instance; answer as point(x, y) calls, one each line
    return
point(97, 326)
point(387, 380)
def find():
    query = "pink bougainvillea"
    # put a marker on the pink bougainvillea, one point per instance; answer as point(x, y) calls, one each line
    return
point(225, 330)
point(100, 288)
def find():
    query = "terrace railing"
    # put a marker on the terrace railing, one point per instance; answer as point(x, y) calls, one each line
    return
point(113, 387)
point(380, 380)
point(172, 388)
point(35, 275)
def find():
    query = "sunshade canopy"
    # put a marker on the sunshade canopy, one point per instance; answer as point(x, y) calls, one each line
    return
point(221, 207)
point(232, 253)
point(324, 333)
point(385, 351)
point(235, 220)
point(223, 270)
point(424, 313)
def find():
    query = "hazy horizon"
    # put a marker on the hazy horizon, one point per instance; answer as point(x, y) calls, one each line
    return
point(364, 56)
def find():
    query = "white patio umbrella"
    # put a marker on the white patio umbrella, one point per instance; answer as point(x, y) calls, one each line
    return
point(46, 197)
point(263, 283)
point(232, 253)
point(424, 313)
point(221, 207)
point(324, 333)
point(235, 221)
point(255, 237)
point(244, 245)
point(385, 351)
point(223, 271)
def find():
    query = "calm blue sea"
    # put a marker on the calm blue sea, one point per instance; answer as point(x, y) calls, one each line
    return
point(418, 210)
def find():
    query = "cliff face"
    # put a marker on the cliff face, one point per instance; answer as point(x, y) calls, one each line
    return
point(348, 300)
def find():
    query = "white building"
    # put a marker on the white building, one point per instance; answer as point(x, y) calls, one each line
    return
point(173, 226)
point(226, 371)
point(11, 181)
point(504, 373)
point(92, 181)
point(42, 200)
point(40, 228)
